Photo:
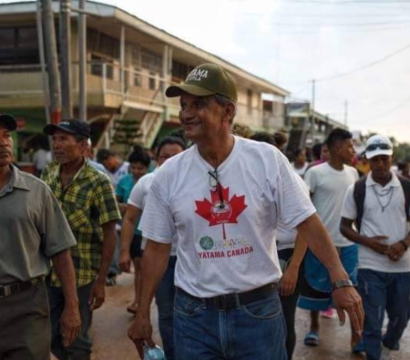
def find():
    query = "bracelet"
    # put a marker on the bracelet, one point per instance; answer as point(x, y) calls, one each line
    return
point(404, 245)
point(342, 283)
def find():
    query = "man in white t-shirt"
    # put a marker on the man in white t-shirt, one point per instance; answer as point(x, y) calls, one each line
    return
point(222, 199)
point(328, 184)
point(164, 296)
point(380, 208)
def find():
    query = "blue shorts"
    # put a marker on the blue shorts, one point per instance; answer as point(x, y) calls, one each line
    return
point(316, 287)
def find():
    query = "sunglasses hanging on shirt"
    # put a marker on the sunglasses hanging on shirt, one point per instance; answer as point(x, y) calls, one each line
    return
point(215, 185)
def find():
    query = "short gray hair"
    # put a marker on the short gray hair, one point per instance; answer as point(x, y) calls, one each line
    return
point(224, 101)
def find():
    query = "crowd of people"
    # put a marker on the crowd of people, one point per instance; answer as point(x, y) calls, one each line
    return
point(226, 233)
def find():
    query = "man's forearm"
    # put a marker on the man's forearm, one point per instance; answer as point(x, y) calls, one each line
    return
point(318, 240)
point(154, 264)
point(127, 232)
point(108, 248)
point(64, 268)
point(299, 252)
point(407, 240)
point(353, 235)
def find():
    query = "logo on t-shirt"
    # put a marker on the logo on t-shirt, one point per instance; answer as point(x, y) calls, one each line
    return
point(221, 213)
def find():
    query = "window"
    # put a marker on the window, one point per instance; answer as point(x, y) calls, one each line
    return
point(18, 46)
point(152, 81)
point(137, 79)
point(101, 43)
point(249, 100)
point(151, 60)
point(179, 71)
point(7, 38)
point(98, 64)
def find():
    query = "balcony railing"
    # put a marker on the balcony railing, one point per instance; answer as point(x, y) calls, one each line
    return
point(110, 85)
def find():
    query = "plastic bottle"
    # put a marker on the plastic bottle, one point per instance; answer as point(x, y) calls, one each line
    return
point(153, 353)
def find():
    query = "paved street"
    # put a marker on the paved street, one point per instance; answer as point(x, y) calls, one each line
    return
point(111, 323)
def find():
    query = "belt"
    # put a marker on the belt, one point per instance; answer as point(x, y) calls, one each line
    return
point(17, 287)
point(230, 301)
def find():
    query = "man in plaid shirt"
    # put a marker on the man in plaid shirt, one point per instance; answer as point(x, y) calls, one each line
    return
point(88, 202)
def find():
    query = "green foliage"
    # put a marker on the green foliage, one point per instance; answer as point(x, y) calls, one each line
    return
point(402, 152)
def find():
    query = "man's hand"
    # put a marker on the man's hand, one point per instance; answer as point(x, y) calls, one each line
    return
point(140, 331)
point(288, 281)
point(125, 261)
point(70, 324)
point(97, 295)
point(347, 299)
point(396, 251)
point(376, 243)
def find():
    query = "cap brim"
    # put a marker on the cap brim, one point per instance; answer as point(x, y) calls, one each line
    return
point(178, 90)
point(377, 152)
point(51, 128)
point(9, 121)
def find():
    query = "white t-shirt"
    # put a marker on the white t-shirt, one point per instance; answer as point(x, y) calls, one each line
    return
point(300, 171)
point(41, 158)
point(121, 171)
point(286, 237)
point(329, 187)
point(138, 198)
point(391, 223)
point(233, 248)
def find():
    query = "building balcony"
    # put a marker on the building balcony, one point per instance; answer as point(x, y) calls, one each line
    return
point(111, 87)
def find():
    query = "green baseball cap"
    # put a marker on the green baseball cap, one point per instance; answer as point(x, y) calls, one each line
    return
point(206, 80)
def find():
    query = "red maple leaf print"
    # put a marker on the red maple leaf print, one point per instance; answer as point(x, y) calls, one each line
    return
point(221, 214)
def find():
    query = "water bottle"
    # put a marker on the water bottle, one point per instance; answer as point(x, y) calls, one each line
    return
point(153, 353)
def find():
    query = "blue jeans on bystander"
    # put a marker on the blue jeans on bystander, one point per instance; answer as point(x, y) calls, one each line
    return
point(245, 332)
point(382, 292)
point(164, 298)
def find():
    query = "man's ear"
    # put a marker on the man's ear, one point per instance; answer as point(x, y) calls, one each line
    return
point(229, 113)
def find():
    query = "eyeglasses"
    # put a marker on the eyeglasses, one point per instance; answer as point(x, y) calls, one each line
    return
point(215, 185)
point(381, 146)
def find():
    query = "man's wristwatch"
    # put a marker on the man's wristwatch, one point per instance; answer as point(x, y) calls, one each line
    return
point(342, 283)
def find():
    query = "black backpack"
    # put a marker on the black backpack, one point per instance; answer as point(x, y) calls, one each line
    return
point(359, 195)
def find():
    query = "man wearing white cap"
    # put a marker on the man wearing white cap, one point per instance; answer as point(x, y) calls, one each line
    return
point(379, 204)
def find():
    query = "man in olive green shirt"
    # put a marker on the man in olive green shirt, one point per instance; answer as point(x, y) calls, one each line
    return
point(33, 230)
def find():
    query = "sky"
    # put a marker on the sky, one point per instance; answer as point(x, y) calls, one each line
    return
point(358, 51)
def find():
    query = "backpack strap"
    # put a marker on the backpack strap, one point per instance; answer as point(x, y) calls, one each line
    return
point(359, 194)
point(405, 184)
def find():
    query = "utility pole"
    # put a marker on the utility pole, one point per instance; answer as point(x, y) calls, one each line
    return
point(40, 36)
point(82, 46)
point(312, 112)
point(50, 45)
point(346, 107)
point(65, 53)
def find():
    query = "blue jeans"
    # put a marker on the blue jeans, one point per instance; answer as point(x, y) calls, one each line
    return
point(382, 292)
point(115, 266)
point(81, 346)
point(245, 332)
point(164, 298)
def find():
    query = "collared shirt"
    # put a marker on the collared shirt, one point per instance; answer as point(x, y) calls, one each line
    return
point(33, 228)
point(88, 202)
point(391, 222)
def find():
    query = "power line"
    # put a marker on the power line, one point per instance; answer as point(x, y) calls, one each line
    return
point(361, 24)
point(348, 2)
point(364, 67)
point(393, 109)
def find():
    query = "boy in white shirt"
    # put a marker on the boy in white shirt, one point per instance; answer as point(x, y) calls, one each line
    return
point(379, 204)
